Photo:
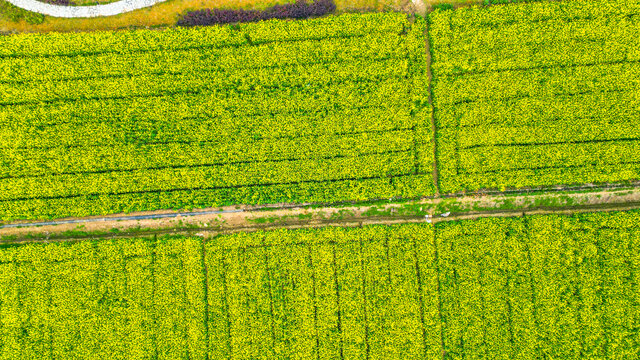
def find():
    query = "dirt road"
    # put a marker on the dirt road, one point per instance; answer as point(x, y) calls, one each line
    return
point(232, 219)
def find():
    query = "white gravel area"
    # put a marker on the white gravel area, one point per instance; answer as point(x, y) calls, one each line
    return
point(83, 11)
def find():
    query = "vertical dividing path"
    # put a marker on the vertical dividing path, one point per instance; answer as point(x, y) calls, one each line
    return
point(206, 294)
point(337, 286)
point(436, 262)
point(427, 42)
point(315, 301)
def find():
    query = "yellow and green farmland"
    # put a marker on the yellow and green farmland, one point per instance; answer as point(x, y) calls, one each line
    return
point(509, 288)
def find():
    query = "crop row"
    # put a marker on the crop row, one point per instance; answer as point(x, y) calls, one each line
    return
point(221, 150)
point(271, 55)
point(380, 164)
point(215, 128)
point(591, 130)
point(542, 176)
point(500, 288)
point(514, 157)
point(311, 78)
point(127, 42)
point(496, 167)
point(540, 12)
point(168, 124)
point(229, 106)
point(541, 83)
point(530, 111)
point(591, 41)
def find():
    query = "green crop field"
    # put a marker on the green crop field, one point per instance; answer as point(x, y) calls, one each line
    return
point(540, 287)
point(537, 94)
point(322, 110)
point(335, 109)
point(331, 293)
point(118, 299)
point(319, 111)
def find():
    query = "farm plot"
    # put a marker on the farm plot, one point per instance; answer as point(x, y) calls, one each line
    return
point(119, 299)
point(513, 288)
point(541, 287)
point(519, 288)
point(322, 110)
point(537, 94)
point(331, 293)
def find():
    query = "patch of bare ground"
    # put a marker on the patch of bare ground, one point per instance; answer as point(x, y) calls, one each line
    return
point(545, 211)
point(419, 7)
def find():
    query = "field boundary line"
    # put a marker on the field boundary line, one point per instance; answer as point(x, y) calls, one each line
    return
point(432, 107)
point(206, 295)
point(323, 182)
point(204, 165)
point(153, 292)
point(551, 143)
point(209, 141)
point(194, 90)
point(540, 67)
point(364, 300)
point(549, 168)
point(315, 300)
point(420, 296)
point(338, 304)
point(186, 72)
point(545, 122)
point(529, 95)
point(209, 46)
point(270, 281)
point(436, 261)
point(223, 261)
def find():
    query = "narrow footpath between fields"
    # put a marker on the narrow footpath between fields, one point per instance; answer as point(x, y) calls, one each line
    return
point(209, 222)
